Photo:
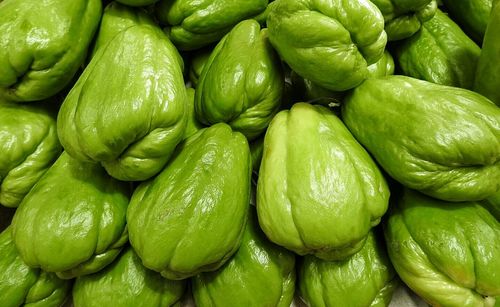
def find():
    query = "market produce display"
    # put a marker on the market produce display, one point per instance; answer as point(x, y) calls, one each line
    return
point(260, 153)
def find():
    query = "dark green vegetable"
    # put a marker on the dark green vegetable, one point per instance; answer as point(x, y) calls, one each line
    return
point(471, 15)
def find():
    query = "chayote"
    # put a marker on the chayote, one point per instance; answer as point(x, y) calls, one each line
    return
point(256, 150)
point(259, 274)
point(28, 147)
point(195, 24)
point(318, 192)
point(198, 62)
point(449, 254)
point(403, 18)
point(440, 53)
point(383, 67)
point(137, 2)
point(42, 45)
point(193, 125)
point(132, 130)
point(471, 15)
point(493, 205)
point(328, 42)
point(242, 82)
point(73, 220)
point(126, 282)
point(21, 285)
point(487, 80)
point(117, 18)
point(365, 279)
point(190, 218)
point(440, 140)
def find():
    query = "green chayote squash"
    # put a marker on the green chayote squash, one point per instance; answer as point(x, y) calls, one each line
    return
point(449, 254)
point(132, 130)
point(328, 42)
point(383, 67)
point(137, 2)
point(21, 285)
point(195, 24)
point(242, 82)
point(440, 140)
point(73, 220)
point(42, 45)
point(126, 282)
point(487, 80)
point(190, 218)
point(403, 18)
point(365, 279)
point(198, 62)
point(493, 205)
point(28, 147)
point(318, 192)
point(471, 15)
point(193, 125)
point(117, 18)
point(259, 274)
point(440, 53)
point(256, 150)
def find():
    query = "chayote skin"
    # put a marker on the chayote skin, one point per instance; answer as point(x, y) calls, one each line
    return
point(440, 53)
point(193, 125)
point(449, 254)
point(131, 130)
point(242, 82)
point(21, 285)
point(42, 45)
point(487, 80)
point(117, 18)
point(188, 220)
point(259, 274)
point(383, 67)
point(471, 15)
point(440, 140)
point(73, 220)
point(403, 18)
point(318, 192)
point(137, 2)
point(328, 42)
point(365, 279)
point(126, 282)
point(195, 24)
point(28, 147)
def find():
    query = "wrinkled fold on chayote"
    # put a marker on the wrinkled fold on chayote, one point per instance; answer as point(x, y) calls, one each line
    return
point(127, 109)
point(21, 285)
point(365, 279)
point(126, 282)
point(242, 82)
point(471, 15)
point(259, 274)
point(73, 220)
point(195, 24)
point(440, 53)
point(403, 18)
point(449, 254)
point(42, 45)
point(318, 192)
point(190, 218)
point(198, 61)
point(28, 147)
point(487, 80)
point(492, 203)
point(443, 141)
point(328, 42)
point(117, 18)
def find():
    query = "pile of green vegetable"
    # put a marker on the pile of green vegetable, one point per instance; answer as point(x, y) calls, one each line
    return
point(249, 151)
